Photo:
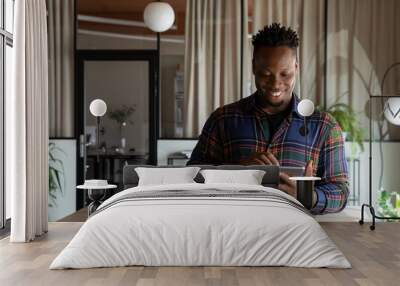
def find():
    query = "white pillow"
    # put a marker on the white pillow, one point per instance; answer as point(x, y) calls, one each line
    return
point(248, 177)
point(165, 176)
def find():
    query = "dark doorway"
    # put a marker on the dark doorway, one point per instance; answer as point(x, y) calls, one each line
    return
point(126, 81)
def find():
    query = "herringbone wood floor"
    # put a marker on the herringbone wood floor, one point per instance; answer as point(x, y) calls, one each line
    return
point(375, 256)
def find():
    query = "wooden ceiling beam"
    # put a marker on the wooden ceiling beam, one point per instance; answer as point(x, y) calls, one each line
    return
point(121, 6)
point(85, 25)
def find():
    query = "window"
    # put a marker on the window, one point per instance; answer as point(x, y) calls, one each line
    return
point(6, 63)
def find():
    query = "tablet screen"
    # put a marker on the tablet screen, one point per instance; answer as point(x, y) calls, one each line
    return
point(292, 171)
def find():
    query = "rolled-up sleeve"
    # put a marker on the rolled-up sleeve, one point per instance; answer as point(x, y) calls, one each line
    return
point(332, 191)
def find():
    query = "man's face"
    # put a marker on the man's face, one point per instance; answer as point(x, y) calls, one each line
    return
point(275, 71)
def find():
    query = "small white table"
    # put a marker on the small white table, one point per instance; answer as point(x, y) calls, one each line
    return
point(96, 194)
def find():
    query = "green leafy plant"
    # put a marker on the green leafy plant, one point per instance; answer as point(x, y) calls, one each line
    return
point(56, 171)
point(348, 121)
point(385, 206)
point(122, 114)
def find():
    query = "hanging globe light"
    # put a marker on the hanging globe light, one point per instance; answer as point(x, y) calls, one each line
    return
point(159, 16)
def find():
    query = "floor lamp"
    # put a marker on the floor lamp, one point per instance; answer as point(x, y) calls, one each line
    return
point(159, 17)
point(391, 113)
point(98, 108)
point(305, 183)
point(306, 109)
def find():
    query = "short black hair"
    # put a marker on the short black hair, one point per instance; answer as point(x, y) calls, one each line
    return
point(276, 35)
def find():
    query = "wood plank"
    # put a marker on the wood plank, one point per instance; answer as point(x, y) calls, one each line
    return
point(79, 216)
point(375, 257)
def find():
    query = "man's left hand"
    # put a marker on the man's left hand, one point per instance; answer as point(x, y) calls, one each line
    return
point(289, 186)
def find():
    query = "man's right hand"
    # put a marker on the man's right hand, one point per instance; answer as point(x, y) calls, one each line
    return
point(260, 158)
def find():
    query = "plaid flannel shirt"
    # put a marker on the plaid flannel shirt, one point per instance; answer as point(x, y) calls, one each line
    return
point(235, 131)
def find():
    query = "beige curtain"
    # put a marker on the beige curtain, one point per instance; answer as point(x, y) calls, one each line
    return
point(61, 67)
point(307, 18)
point(27, 123)
point(363, 42)
point(213, 38)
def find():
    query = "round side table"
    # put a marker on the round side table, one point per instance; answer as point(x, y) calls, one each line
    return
point(96, 194)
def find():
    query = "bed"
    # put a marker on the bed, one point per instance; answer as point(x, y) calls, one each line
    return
point(197, 224)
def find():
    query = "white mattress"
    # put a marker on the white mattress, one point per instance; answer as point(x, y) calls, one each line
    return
point(194, 231)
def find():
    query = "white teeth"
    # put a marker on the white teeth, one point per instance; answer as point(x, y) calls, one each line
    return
point(276, 93)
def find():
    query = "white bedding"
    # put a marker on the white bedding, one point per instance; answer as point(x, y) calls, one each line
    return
point(200, 231)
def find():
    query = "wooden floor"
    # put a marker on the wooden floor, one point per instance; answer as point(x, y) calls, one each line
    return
point(79, 216)
point(375, 256)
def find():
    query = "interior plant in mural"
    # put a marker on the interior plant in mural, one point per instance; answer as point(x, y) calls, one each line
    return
point(121, 116)
point(56, 173)
point(388, 203)
point(348, 121)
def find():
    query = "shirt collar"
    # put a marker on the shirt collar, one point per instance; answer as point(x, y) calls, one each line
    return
point(252, 106)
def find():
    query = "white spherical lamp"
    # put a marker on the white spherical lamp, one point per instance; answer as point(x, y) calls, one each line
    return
point(392, 110)
point(305, 107)
point(98, 107)
point(159, 16)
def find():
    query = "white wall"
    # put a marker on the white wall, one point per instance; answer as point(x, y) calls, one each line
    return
point(167, 147)
point(66, 201)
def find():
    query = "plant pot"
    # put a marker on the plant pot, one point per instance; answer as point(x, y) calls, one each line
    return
point(344, 135)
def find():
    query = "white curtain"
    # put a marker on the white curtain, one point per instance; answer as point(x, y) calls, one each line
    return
point(61, 67)
point(26, 123)
point(307, 18)
point(213, 57)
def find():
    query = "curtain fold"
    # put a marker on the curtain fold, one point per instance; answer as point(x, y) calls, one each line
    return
point(363, 42)
point(61, 67)
point(27, 123)
point(213, 58)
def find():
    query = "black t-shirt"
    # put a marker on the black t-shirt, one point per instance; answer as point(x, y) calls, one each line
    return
point(271, 122)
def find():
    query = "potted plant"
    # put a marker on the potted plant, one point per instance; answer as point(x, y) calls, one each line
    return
point(121, 116)
point(388, 203)
point(348, 121)
point(56, 171)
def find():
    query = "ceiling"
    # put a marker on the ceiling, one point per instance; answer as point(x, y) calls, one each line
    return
point(130, 10)
point(126, 10)
point(123, 6)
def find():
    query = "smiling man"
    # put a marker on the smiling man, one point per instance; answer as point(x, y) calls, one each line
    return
point(266, 128)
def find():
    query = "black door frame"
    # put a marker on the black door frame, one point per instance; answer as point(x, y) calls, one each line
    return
point(151, 56)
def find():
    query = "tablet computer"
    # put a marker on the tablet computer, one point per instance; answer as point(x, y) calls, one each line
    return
point(292, 171)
